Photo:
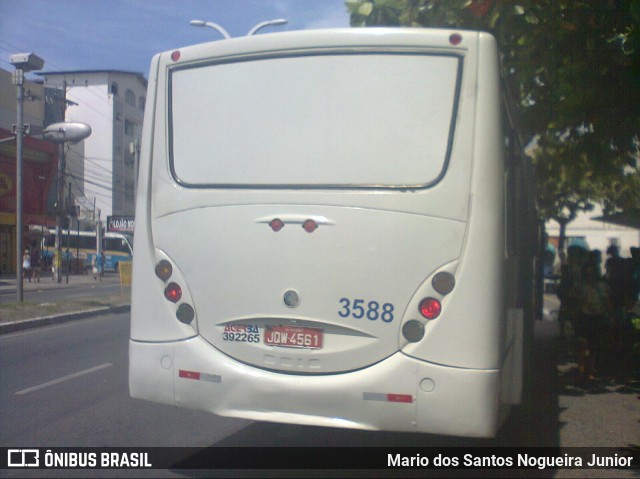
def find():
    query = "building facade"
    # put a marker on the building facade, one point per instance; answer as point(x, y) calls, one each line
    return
point(40, 160)
point(112, 103)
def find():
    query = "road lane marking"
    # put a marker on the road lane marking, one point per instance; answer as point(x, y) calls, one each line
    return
point(64, 378)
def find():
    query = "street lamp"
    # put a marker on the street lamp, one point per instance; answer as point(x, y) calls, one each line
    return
point(215, 26)
point(23, 62)
point(62, 133)
point(279, 21)
point(225, 34)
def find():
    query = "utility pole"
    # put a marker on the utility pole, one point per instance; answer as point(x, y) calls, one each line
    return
point(99, 246)
point(23, 62)
point(57, 260)
point(19, 78)
point(68, 214)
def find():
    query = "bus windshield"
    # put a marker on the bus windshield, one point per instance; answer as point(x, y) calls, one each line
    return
point(333, 128)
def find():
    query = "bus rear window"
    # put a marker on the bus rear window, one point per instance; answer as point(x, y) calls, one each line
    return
point(330, 120)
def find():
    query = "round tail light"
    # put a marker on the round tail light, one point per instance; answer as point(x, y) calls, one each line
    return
point(430, 308)
point(413, 331)
point(310, 226)
point(173, 292)
point(164, 270)
point(185, 313)
point(455, 39)
point(276, 224)
point(443, 283)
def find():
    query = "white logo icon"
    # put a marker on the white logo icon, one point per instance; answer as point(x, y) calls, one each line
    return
point(23, 458)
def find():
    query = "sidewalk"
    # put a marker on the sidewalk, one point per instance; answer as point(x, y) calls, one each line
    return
point(16, 317)
point(8, 281)
point(604, 413)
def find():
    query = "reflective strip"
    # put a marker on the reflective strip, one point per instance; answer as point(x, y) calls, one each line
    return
point(408, 398)
point(404, 398)
point(212, 378)
point(189, 374)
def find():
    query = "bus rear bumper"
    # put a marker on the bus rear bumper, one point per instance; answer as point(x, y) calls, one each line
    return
point(399, 393)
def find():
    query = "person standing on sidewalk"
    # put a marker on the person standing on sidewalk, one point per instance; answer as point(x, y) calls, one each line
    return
point(569, 289)
point(97, 263)
point(591, 323)
point(615, 276)
point(36, 263)
point(26, 265)
point(634, 266)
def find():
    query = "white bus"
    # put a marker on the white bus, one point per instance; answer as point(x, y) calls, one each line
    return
point(328, 233)
point(117, 248)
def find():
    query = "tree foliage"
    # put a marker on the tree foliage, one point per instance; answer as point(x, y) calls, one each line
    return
point(572, 72)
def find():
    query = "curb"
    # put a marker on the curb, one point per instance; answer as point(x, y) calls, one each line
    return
point(60, 318)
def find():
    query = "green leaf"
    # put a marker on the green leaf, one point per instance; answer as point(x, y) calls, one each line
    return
point(365, 9)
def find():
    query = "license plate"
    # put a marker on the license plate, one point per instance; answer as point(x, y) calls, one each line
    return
point(293, 337)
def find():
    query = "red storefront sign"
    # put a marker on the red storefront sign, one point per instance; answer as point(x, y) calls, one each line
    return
point(39, 167)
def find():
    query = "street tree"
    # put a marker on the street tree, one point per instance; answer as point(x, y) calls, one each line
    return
point(571, 70)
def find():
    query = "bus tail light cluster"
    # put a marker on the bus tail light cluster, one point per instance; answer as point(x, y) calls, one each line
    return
point(430, 307)
point(309, 225)
point(173, 292)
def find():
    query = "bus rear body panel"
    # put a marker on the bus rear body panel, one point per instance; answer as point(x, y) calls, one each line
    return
point(397, 394)
point(303, 249)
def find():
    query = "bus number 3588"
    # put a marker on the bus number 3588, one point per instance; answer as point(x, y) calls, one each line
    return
point(372, 310)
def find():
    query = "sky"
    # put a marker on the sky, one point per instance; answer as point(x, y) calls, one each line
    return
point(125, 34)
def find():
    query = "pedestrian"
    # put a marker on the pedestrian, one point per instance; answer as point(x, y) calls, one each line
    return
point(595, 259)
point(635, 275)
point(101, 264)
point(97, 265)
point(615, 277)
point(36, 263)
point(26, 265)
point(591, 323)
point(94, 266)
point(570, 287)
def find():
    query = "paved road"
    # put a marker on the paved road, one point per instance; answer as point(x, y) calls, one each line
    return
point(66, 385)
point(73, 377)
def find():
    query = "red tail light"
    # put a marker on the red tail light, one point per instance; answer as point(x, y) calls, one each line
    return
point(173, 292)
point(455, 39)
point(310, 226)
point(430, 308)
point(276, 224)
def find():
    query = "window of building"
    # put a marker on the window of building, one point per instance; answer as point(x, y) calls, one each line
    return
point(130, 98)
point(114, 88)
point(129, 127)
point(141, 103)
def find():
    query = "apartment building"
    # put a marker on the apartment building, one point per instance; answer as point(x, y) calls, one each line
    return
point(112, 102)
